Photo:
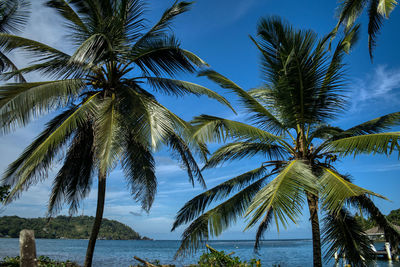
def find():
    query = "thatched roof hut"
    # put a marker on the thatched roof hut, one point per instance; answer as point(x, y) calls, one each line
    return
point(376, 231)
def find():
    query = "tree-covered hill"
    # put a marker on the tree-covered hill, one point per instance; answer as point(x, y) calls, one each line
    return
point(66, 227)
point(367, 223)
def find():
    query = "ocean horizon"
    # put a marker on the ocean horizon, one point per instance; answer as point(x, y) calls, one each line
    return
point(273, 252)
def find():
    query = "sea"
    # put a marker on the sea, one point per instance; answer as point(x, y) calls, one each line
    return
point(121, 252)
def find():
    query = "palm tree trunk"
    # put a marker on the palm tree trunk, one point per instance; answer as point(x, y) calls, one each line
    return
point(316, 235)
point(101, 195)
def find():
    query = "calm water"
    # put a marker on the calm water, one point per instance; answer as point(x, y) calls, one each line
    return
point(120, 252)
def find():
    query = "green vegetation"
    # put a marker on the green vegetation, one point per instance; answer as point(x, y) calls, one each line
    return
point(367, 223)
point(102, 96)
point(43, 261)
point(394, 217)
point(66, 227)
point(221, 259)
point(213, 258)
point(292, 112)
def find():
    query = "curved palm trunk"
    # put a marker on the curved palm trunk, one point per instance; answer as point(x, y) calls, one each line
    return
point(316, 237)
point(101, 194)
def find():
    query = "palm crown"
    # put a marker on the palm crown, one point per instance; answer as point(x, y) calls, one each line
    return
point(106, 114)
point(303, 91)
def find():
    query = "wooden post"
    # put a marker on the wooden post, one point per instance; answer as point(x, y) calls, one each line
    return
point(27, 248)
point(387, 248)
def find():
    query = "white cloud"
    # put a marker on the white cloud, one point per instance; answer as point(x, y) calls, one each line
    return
point(381, 84)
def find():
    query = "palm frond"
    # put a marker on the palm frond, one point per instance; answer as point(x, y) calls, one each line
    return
point(240, 150)
point(324, 132)
point(336, 190)
point(139, 168)
point(215, 129)
point(6, 64)
point(158, 30)
point(67, 12)
point(162, 55)
point(179, 88)
point(74, 179)
point(261, 114)
point(198, 204)
point(182, 153)
point(262, 227)
point(19, 102)
point(374, 24)
point(376, 125)
point(36, 159)
point(382, 143)
point(109, 135)
point(284, 194)
point(213, 222)
point(13, 15)
point(344, 235)
point(41, 51)
point(296, 68)
point(92, 50)
point(349, 11)
point(386, 7)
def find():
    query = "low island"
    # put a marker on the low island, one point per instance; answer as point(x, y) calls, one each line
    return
point(65, 227)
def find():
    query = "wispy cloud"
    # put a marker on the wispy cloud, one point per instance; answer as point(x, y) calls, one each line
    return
point(382, 84)
point(377, 168)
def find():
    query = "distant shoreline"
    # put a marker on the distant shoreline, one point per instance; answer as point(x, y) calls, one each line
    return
point(217, 240)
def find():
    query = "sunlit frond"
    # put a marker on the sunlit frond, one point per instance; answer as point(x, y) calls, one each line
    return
point(382, 143)
point(108, 135)
point(215, 129)
point(336, 190)
point(213, 222)
point(284, 194)
point(198, 204)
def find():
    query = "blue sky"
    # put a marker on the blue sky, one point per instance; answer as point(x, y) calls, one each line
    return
point(218, 32)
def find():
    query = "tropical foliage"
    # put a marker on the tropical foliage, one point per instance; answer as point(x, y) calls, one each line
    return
point(106, 115)
point(378, 10)
point(13, 17)
point(221, 259)
point(290, 134)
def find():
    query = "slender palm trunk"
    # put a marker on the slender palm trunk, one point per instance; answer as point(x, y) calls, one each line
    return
point(316, 235)
point(101, 195)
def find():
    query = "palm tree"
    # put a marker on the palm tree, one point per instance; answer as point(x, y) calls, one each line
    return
point(302, 92)
point(105, 114)
point(378, 10)
point(13, 17)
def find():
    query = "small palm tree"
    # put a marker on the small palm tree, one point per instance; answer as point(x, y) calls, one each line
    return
point(13, 17)
point(378, 10)
point(303, 91)
point(106, 116)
